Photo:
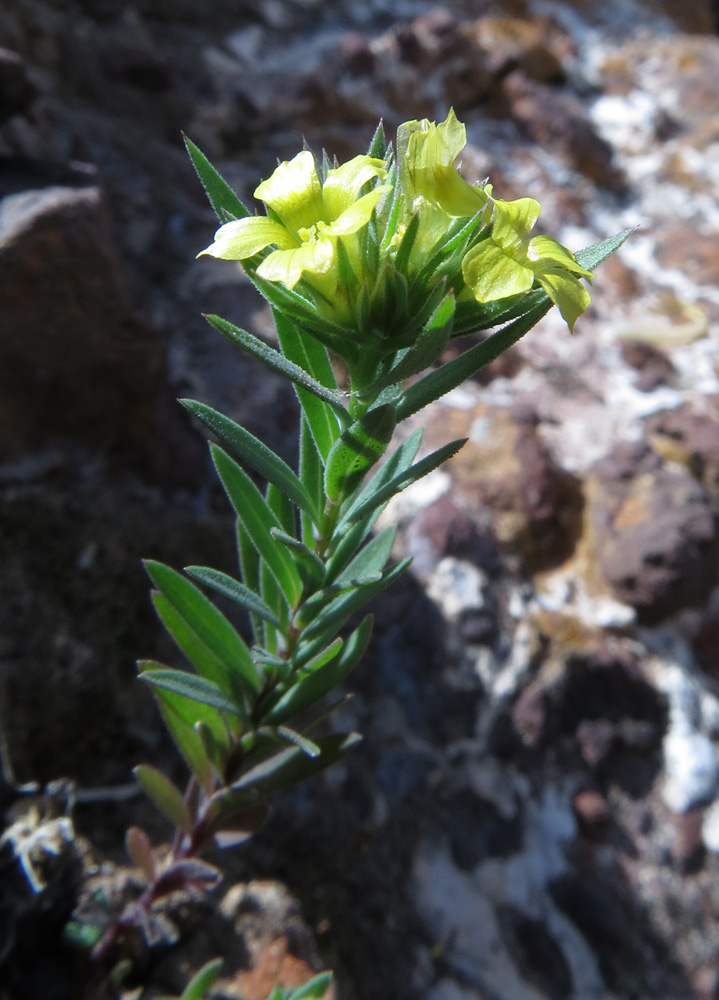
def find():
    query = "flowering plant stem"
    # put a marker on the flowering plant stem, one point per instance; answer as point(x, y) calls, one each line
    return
point(370, 268)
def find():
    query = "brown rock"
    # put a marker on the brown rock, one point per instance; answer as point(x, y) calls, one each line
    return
point(690, 438)
point(656, 533)
point(592, 812)
point(687, 848)
point(653, 366)
point(75, 360)
point(507, 468)
point(695, 254)
point(558, 123)
point(532, 46)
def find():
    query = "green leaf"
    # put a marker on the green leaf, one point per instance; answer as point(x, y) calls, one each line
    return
point(297, 739)
point(314, 685)
point(400, 482)
point(312, 476)
point(398, 462)
point(193, 687)
point(205, 620)
point(276, 362)
point(372, 558)
point(453, 373)
point(378, 146)
point(166, 796)
point(180, 716)
point(258, 520)
point(283, 509)
point(255, 453)
point(314, 989)
point(405, 248)
point(249, 559)
point(309, 565)
point(312, 357)
point(236, 591)
point(357, 450)
point(595, 255)
point(222, 198)
point(425, 350)
point(200, 656)
point(202, 981)
point(286, 768)
point(333, 617)
point(472, 316)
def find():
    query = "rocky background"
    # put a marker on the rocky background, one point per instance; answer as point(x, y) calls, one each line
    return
point(534, 813)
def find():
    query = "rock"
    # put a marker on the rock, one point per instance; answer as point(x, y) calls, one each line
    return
point(531, 46)
point(506, 468)
point(690, 438)
point(448, 528)
point(559, 124)
point(693, 253)
point(656, 533)
point(652, 365)
point(593, 814)
point(16, 90)
point(687, 847)
point(75, 360)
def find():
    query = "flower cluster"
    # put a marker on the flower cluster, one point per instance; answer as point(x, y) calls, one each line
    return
point(368, 243)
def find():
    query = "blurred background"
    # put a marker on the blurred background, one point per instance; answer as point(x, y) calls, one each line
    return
point(534, 813)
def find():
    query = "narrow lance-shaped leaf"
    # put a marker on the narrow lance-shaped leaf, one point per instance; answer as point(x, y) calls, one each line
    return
point(399, 461)
point(200, 656)
point(222, 198)
point(166, 796)
point(278, 363)
point(333, 617)
point(208, 623)
point(203, 980)
point(236, 591)
point(357, 450)
point(193, 687)
point(309, 688)
point(372, 558)
point(180, 716)
point(453, 373)
point(254, 453)
point(595, 255)
point(312, 476)
point(415, 472)
point(312, 357)
point(258, 520)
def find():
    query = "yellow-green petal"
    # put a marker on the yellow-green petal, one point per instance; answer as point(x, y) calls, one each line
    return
point(357, 214)
point(568, 293)
point(243, 238)
point(544, 249)
point(456, 197)
point(513, 220)
point(493, 274)
point(344, 183)
point(288, 266)
point(294, 192)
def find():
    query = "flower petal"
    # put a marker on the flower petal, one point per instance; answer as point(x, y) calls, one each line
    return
point(343, 183)
point(243, 238)
point(455, 196)
point(294, 192)
point(544, 249)
point(493, 274)
point(568, 293)
point(358, 214)
point(513, 220)
point(288, 266)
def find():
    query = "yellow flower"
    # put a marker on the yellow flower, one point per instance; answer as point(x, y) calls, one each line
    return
point(507, 263)
point(305, 218)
